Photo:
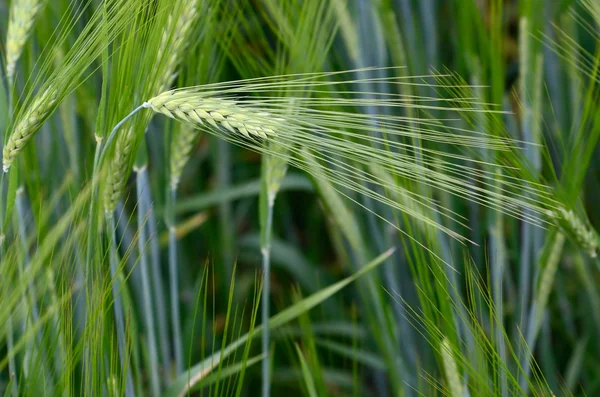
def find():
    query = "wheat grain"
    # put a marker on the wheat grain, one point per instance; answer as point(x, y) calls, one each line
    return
point(27, 125)
point(22, 16)
point(217, 112)
point(583, 234)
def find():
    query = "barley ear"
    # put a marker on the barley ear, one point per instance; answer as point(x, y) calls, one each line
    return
point(118, 170)
point(172, 48)
point(452, 375)
point(181, 150)
point(579, 230)
point(22, 16)
point(28, 125)
point(222, 114)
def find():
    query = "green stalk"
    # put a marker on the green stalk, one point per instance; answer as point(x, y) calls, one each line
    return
point(156, 279)
point(34, 348)
point(223, 176)
point(142, 187)
point(549, 260)
point(12, 368)
point(266, 262)
point(92, 236)
point(174, 280)
point(118, 305)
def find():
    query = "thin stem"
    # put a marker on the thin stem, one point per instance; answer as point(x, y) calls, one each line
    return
point(147, 299)
point(33, 347)
point(113, 134)
point(174, 280)
point(100, 153)
point(145, 207)
point(118, 305)
point(266, 256)
point(12, 368)
point(156, 279)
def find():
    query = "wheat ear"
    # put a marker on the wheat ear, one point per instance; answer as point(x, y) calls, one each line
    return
point(28, 125)
point(579, 230)
point(181, 151)
point(452, 374)
point(217, 112)
point(22, 16)
point(174, 41)
point(119, 164)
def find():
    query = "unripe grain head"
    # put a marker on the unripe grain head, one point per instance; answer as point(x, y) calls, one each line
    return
point(181, 151)
point(216, 112)
point(579, 230)
point(26, 127)
point(22, 16)
point(118, 170)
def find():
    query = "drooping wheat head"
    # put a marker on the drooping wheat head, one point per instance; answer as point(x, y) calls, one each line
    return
point(26, 127)
point(173, 41)
point(216, 112)
point(250, 113)
point(22, 16)
point(54, 81)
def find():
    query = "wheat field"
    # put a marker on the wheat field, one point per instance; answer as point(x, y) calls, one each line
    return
point(299, 197)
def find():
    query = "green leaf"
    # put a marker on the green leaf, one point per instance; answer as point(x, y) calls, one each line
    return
point(180, 386)
point(308, 379)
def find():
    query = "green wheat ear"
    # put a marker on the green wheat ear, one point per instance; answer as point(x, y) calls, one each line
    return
point(580, 230)
point(28, 125)
point(22, 16)
point(181, 151)
point(101, 28)
point(248, 122)
point(250, 114)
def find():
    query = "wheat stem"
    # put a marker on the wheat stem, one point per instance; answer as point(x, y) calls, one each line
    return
point(156, 278)
point(35, 347)
point(10, 343)
point(266, 295)
point(141, 187)
point(118, 306)
point(174, 280)
point(113, 133)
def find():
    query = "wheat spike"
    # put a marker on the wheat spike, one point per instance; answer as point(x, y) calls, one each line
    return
point(181, 151)
point(455, 386)
point(583, 234)
point(217, 112)
point(22, 15)
point(28, 125)
point(117, 170)
point(174, 41)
